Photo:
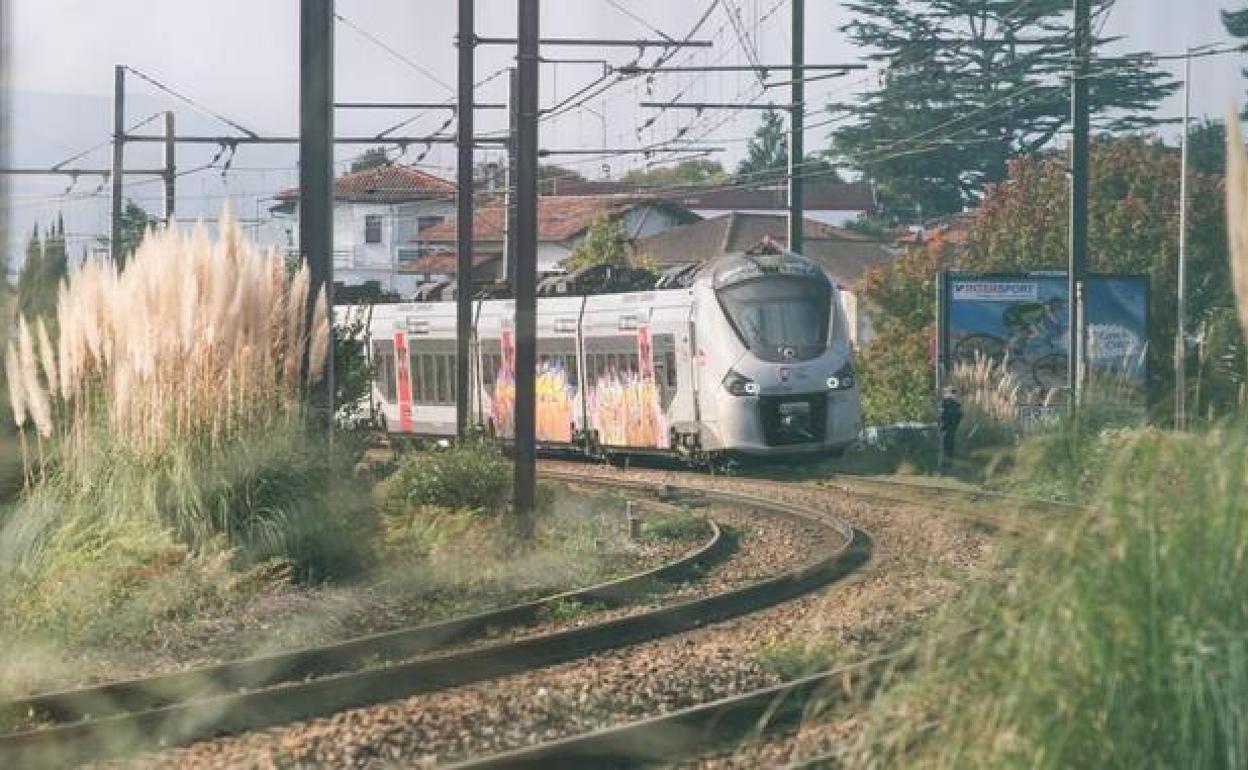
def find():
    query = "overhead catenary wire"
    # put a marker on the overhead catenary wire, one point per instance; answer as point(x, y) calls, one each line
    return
point(395, 53)
point(188, 100)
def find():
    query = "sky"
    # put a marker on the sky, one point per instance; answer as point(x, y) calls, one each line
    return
point(239, 59)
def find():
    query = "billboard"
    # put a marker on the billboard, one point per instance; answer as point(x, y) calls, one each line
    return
point(1022, 322)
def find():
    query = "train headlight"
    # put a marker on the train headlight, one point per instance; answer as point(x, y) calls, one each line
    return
point(843, 379)
point(739, 385)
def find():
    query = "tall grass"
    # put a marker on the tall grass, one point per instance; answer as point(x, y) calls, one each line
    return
point(1120, 639)
point(171, 398)
point(193, 342)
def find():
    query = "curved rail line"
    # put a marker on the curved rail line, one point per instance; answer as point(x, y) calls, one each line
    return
point(167, 720)
point(250, 673)
point(669, 738)
point(695, 731)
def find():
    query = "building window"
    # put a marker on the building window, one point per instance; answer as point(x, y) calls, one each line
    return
point(372, 228)
point(423, 223)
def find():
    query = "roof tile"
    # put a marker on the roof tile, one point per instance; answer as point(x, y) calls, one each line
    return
point(391, 183)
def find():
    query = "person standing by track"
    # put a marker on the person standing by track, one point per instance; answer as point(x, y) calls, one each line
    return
point(948, 417)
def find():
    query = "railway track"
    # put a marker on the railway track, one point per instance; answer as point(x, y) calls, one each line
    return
point(122, 718)
point(692, 732)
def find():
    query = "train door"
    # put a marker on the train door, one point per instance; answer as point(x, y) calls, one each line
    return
point(624, 406)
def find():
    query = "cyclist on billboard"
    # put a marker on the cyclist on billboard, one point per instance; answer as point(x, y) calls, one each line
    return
point(1035, 321)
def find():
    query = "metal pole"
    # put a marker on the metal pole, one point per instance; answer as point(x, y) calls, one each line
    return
point(119, 162)
point(464, 216)
point(526, 259)
point(797, 121)
point(316, 171)
point(171, 169)
point(1079, 191)
point(1180, 337)
point(509, 196)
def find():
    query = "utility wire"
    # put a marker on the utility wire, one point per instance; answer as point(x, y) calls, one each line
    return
point(104, 143)
point(639, 19)
point(157, 84)
point(394, 52)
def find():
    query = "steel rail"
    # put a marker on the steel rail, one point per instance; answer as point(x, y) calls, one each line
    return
point(682, 734)
point(179, 723)
point(156, 691)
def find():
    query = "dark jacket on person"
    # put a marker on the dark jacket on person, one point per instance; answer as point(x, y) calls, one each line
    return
point(949, 414)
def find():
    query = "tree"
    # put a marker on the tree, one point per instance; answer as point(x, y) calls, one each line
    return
point(41, 272)
point(687, 172)
point(605, 243)
point(896, 373)
point(947, 116)
point(135, 222)
point(1133, 226)
point(45, 265)
point(1207, 147)
point(353, 374)
point(373, 157)
point(550, 178)
point(1236, 23)
point(767, 154)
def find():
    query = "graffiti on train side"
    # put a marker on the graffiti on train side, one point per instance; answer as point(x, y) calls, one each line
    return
point(624, 405)
point(624, 408)
point(555, 403)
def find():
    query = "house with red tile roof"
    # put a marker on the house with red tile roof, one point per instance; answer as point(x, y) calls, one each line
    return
point(828, 201)
point(377, 213)
point(562, 224)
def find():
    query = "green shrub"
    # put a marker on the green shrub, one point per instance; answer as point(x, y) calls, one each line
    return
point(284, 494)
point(683, 526)
point(468, 477)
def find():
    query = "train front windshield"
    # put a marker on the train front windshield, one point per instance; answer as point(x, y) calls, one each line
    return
point(780, 318)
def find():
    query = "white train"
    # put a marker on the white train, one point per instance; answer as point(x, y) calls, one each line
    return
point(749, 355)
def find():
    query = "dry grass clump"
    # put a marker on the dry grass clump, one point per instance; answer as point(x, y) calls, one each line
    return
point(989, 390)
point(193, 341)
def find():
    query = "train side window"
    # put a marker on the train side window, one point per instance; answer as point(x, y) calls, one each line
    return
point(439, 363)
point(634, 364)
point(571, 368)
point(452, 379)
point(669, 361)
point(431, 381)
point(487, 370)
point(383, 360)
point(413, 369)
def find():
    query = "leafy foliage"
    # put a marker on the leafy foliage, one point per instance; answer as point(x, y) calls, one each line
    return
point(45, 265)
point(947, 118)
point(1236, 23)
point(767, 154)
point(466, 477)
point(135, 221)
point(550, 177)
point(373, 157)
point(604, 244)
point(1021, 225)
point(1133, 213)
point(353, 374)
point(687, 172)
point(897, 377)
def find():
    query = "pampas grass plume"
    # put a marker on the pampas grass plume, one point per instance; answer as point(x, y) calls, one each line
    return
point(320, 338)
point(17, 393)
point(1237, 214)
